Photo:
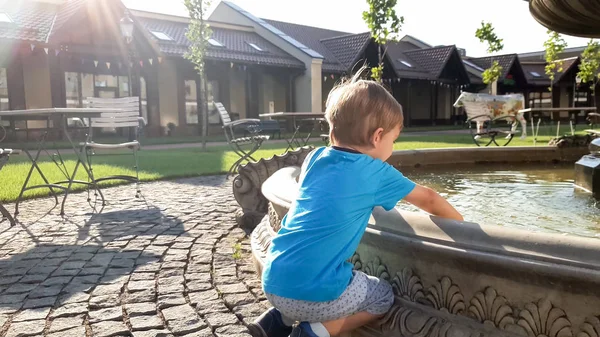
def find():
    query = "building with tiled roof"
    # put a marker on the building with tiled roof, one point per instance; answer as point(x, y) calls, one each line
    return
point(59, 52)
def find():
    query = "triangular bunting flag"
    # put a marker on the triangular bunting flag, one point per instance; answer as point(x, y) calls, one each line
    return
point(56, 52)
point(46, 50)
point(231, 64)
point(96, 63)
point(159, 59)
point(150, 60)
point(108, 65)
point(325, 78)
point(142, 63)
point(32, 46)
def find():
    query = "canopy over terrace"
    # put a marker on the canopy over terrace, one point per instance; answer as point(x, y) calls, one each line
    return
point(571, 17)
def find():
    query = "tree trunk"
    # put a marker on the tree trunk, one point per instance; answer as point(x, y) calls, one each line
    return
point(203, 120)
point(380, 64)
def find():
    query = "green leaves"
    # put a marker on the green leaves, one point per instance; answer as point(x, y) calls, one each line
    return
point(554, 46)
point(384, 26)
point(198, 32)
point(486, 34)
point(590, 64)
point(493, 73)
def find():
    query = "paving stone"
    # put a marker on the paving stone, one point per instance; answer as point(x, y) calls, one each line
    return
point(104, 301)
point(118, 271)
point(39, 302)
point(145, 322)
point(62, 280)
point(182, 319)
point(92, 271)
point(4, 319)
point(138, 309)
point(107, 289)
point(31, 315)
point(106, 314)
point(232, 330)
point(142, 276)
point(207, 332)
point(153, 333)
point(173, 264)
point(15, 271)
point(81, 257)
point(28, 328)
point(72, 265)
point(221, 319)
point(35, 279)
point(148, 295)
point(9, 280)
point(198, 285)
point(66, 323)
point(74, 332)
point(201, 296)
point(109, 328)
point(140, 285)
point(249, 310)
point(12, 298)
point(198, 268)
point(88, 279)
point(65, 272)
point(41, 270)
point(20, 288)
point(202, 277)
point(41, 291)
point(170, 300)
point(74, 297)
point(233, 300)
point(123, 263)
point(211, 306)
point(70, 309)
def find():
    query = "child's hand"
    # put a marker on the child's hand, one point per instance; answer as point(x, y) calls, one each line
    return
point(433, 203)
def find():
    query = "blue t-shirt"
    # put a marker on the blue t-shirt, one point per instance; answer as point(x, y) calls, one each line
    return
point(307, 259)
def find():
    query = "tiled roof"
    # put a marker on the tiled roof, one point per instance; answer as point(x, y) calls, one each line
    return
point(538, 68)
point(312, 37)
point(66, 12)
point(505, 62)
point(32, 21)
point(567, 66)
point(347, 49)
point(433, 59)
point(236, 44)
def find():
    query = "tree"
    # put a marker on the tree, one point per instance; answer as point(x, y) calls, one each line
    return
point(486, 34)
point(554, 46)
point(589, 71)
point(198, 34)
point(385, 26)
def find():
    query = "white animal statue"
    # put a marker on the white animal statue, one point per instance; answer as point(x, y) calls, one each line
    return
point(484, 107)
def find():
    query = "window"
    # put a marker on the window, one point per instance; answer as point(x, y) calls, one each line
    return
point(406, 63)
point(144, 99)
point(161, 35)
point(215, 43)
point(4, 17)
point(191, 102)
point(535, 74)
point(255, 46)
point(213, 96)
point(3, 90)
point(80, 86)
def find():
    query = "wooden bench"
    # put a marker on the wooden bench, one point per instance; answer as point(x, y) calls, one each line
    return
point(4, 155)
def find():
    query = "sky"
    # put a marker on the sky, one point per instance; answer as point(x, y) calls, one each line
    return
point(437, 22)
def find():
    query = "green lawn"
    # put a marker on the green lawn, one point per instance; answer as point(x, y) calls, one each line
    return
point(162, 164)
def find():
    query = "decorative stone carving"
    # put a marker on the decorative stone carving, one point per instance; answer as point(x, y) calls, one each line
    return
point(274, 220)
point(446, 296)
point(544, 319)
point(375, 268)
point(572, 141)
point(408, 286)
point(491, 309)
point(247, 184)
point(407, 321)
point(590, 328)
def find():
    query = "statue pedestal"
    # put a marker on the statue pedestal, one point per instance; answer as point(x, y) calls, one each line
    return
point(587, 174)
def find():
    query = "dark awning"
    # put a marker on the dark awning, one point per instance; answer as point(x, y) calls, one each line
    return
point(571, 17)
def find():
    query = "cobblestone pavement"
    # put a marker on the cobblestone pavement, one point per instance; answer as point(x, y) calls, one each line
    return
point(174, 264)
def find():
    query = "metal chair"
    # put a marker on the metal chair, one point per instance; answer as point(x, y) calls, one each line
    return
point(244, 147)
point(4, 154)
point(128, 118)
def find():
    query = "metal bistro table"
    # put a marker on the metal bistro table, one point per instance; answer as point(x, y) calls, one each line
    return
point(47, 115)
point(295, 117)
point(570, 110)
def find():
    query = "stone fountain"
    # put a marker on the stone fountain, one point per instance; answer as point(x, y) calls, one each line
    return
point(453, 279)
point(587, 170)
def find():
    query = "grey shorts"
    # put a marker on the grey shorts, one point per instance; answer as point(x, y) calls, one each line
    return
point(364, 293)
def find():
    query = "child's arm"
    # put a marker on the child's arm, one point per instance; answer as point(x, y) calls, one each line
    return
point(433, 203)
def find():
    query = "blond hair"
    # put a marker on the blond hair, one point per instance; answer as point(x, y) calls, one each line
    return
point(357, 108)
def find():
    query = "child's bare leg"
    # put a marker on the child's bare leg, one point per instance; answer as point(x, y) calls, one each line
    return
point(347, 324)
